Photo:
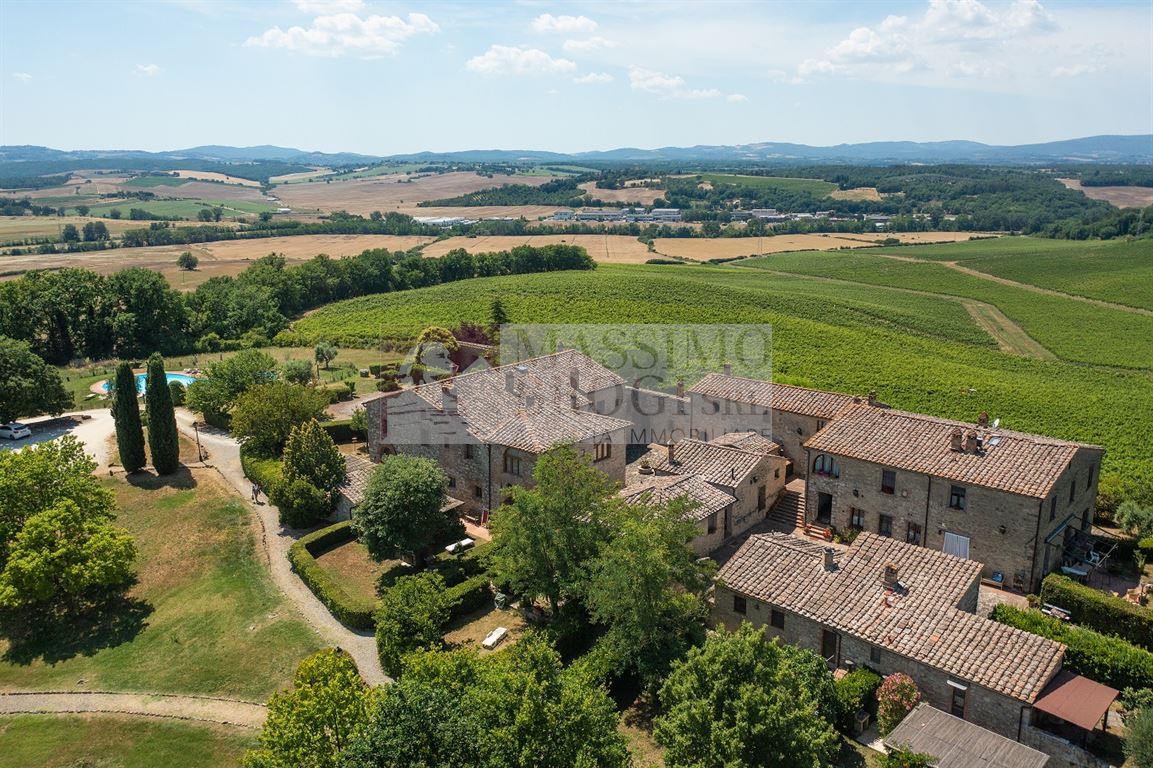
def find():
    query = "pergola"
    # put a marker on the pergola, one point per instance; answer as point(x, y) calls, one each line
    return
point(1072, 707)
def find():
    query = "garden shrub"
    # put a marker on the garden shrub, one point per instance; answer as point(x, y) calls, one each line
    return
point(1101, 611)
point(350, 610)
point(469, 595)
point(855, 691)
point(260, 469)
point(301, 504)
point(340, 431)
point(1135, 699)
point(1108, 660)
point(896, 698)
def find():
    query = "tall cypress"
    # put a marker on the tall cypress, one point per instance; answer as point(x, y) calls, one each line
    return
point(162, 437)
point(126, 412)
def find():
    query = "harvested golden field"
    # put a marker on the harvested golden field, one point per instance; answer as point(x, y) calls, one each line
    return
point(607, 249)
point(530, 212)
point(223, 257)
point(1122, 197)
point(391, 192)
point(856, 193)
point(292, 178)
point(14, 228)
point(701, 249)
point(207, 190)
point(211, 176)
point(642, 195)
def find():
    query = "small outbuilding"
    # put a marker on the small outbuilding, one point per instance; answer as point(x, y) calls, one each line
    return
point(957, 743)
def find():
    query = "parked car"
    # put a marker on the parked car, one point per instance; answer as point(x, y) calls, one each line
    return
point(15, 431)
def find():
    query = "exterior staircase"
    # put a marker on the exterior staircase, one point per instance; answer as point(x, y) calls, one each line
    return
point(789, 511)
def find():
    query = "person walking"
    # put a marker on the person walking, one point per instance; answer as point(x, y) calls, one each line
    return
point(255, 493)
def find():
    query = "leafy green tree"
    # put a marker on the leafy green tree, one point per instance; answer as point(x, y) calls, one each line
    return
point(544, 537)
point(412, 615)
point(42, 476)
point(115, 213)
point(263, 417)
point(647, 587)
point(310, 454)
point(519, 709)
point(95, 231)
point(896, 698)
point(163, 439)
point(82, 209)
point(28, 385)
point(296, 371)
point(402, 510)
point(226, 380)
point(187, 261)
point(497, 316)
point(312, 723)
point(1139, 742)
point(359, 422)
point(63, 555)
point(179, 392)
point(147, 313)
point(743, 701)
point(126, 412)
point(1136, 519)
point(300, 503)
point(902, 757)
point(70, 234)
point(325, 353)
point(204, 214)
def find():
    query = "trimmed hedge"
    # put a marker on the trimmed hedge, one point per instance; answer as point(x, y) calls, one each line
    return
point(1108, 660)
point(351, 611)
point(340, 431)
point(1104, 612)
point(265, 471)
point(857, 690)
point(472, 593)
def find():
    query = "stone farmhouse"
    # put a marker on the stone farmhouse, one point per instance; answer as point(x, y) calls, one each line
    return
point(897, 607)
point(1020, 503)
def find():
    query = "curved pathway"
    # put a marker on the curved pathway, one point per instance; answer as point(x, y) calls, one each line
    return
point(275, 540)
point(208, 709)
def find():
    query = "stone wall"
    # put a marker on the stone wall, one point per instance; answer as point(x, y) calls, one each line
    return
point(712, 417)
point(1062, 754)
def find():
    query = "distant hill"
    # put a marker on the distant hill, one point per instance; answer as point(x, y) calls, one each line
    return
point(1095, 149)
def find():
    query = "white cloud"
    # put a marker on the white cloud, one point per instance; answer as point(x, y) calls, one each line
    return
point(1076, 70)
point(514, 60)
point(736, 98)
point(147, 70)
point(591, 44)
point(326, 7)
point(23, 77)
point(666, 86)
point(546, 22)
point(347, 34)
point(593, 78)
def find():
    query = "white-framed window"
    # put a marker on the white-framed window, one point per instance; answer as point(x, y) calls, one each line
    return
point(602, 451)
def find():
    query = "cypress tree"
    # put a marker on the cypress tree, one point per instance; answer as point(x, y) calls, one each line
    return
point(126, 412)
point(162, 438)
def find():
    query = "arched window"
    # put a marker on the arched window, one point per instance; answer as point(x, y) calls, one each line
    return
point(826, 465)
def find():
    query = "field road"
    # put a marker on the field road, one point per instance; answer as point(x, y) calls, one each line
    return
point(244, 714)
point(275, 540)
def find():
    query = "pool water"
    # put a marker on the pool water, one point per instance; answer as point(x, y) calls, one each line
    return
point(142, 379)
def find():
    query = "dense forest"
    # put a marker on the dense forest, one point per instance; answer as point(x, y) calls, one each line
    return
point(75, 313)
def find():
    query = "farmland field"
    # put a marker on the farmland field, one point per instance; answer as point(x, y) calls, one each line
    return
point(1122, 197)
point(393, 192)
point(608, 249)
point(703, 249)
point(815, 187)
point(184, 208)
point(14, 228)
point(222, 257)
point(857, 193)
point(922, 353)
point(643, 195)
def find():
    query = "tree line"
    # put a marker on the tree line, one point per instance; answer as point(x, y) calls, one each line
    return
point(75, 313)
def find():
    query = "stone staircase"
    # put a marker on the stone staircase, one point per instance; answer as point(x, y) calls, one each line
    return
point(789, 512)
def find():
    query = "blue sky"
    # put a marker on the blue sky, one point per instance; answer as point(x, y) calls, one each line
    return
point(385, 77)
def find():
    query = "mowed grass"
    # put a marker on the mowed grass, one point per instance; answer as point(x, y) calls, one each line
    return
point(118, 741)
point(917, 351)
point(204, 617)
point(1109, 270)
point(1073, 330)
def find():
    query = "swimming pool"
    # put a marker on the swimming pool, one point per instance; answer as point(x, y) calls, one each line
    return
point(142, 378)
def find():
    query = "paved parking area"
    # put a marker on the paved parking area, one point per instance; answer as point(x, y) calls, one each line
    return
point(93, 428)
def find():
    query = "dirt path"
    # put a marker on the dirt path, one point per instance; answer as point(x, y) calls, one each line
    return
point(1010, 337)
point(1024, 286)
point(244, 714)
point(275, 540)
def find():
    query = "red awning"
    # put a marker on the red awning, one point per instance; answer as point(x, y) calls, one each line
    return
point(1076, 700)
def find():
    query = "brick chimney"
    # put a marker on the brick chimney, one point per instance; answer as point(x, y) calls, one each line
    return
point(971, 442)
point(872, 397)
point(830, 563)
point(983, 419)
point(680, 387)
point(529, 401)
point(574, 379)
point(955, 439)
point(672, 452)
point(728, 369)
point(448, 397)
point(889, 576)
point(509, 381)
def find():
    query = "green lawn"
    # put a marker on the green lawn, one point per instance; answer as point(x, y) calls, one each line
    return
point(919, 352)
point(117, 741)
point(204, 617)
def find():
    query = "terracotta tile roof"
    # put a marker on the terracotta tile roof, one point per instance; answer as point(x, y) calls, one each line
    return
point(542, 427)
point(663, 489)
point(920, 620)
point(779, 397)
point(718, 464)
point(357, 470)
point(1015, 462)
point(539, 411)
point(753, 442)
